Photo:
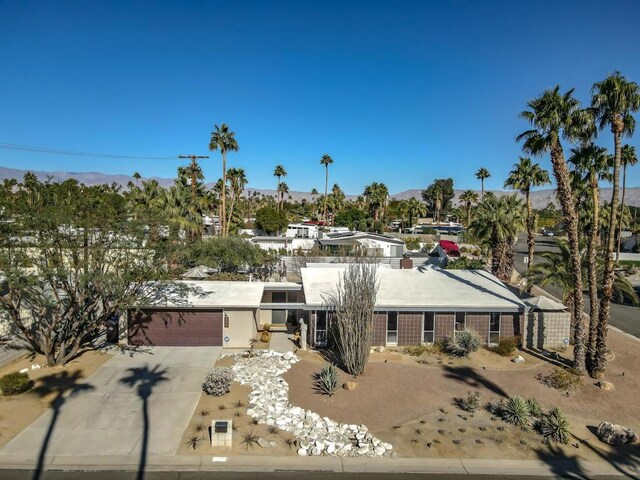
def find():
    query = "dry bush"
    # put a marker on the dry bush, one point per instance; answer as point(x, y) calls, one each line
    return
point(560, 379)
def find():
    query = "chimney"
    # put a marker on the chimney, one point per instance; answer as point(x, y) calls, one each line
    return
point(406, 263)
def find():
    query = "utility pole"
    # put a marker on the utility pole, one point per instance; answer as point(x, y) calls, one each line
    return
point(193, 172)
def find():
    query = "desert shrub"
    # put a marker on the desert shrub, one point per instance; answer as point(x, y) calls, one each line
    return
point(264, 337)
point(327, 380)
point(418, 350)
point(462, 343)
point(554, 426)
point(534, 408)
point(15, 383)
point(516, 411)
point(227, 277)
point(218, 381)
point(412, 243)
point(249, 438)
point(427, 247)
point(506, 346)
point(465, 263)
point(470, 403)
point(560, 379)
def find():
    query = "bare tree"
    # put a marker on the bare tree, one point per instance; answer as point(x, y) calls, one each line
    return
point(352, 305)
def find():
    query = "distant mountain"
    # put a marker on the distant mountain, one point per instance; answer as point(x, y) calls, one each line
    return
point(539, 198)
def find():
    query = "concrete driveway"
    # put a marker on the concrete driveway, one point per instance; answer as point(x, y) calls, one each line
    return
point(105, 417)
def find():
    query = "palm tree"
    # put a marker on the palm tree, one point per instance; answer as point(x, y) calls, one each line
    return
point(468, 198)
point(224, 140)
point(336, 199)
point(555, 116)
point(628, 159)
point(279, 172)
point(326, 160)
point(416, 208)
point(481, 174)
point(496, 223)
point(526, 174)
point(402, 210)
point(376, 195)
point(237, 182)
point(137, 178)
point(591, 165)
point(283, 189)
point(613, 101)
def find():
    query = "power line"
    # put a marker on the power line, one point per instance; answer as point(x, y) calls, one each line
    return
point(55, 151)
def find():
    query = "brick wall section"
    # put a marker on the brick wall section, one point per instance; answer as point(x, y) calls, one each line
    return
point(409, 328)
point(379, 329)
point(444, 323)
point(510, 325)
point(479, 323)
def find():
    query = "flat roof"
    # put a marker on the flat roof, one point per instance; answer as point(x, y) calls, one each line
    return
point(425, 288)
point(210, 294)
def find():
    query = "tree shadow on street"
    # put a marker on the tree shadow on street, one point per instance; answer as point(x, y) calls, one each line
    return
point(144, 379)
point(61, 386)
point(472, 378)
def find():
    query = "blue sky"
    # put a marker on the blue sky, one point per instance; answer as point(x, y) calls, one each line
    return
point(399, 92)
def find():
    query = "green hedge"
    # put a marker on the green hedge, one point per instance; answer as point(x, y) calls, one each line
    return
point(15, 383)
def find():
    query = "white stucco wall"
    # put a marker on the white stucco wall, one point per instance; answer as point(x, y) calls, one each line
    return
point(242, 327)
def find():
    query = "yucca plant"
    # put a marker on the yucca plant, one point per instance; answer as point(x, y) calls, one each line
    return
point(534, 408)
point(462, 344)
point(327, 380)
point(554, 426)
point(516, 411)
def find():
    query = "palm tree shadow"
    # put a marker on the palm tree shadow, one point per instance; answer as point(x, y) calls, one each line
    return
point(473, 379)
point(62, 386)
point(144, 379)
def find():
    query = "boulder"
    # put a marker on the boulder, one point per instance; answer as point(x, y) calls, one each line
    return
point(518, 359)
point(350, 385)
point(616, 434)
point(379, 349)
point(264, 443)
point(604, 385)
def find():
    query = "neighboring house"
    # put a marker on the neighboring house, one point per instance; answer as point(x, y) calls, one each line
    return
point(288, 244)
point(423, 305)
point(374, 244)
point(548, 324)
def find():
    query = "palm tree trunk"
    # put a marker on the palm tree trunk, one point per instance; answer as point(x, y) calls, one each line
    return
point(482, 186)
point(600, 361)
point(624, 191)
point(468, 214)
point(592, 246)
point(233, 202)
point(224, 194)
point(326, 187)
point(561, 173)
point(530, 225)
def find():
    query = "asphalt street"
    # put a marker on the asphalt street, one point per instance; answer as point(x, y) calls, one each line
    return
point(624, 317)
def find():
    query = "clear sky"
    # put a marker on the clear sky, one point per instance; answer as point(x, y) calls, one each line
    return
point(399, 92)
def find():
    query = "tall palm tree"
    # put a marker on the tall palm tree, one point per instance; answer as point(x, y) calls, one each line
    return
point(224, 140)
point(628, 159)
point(496, 223)
point(237, 182)
point(376, 195)
point(416, 208)
point(555, 116)
point(468, 198)
point(283, 189)
point(613, 102)
point(526, 174)
point(279, 172)
point(591, 164)
point(137, 177)
point(481, 174)
point(402, 209)
point(326, 160)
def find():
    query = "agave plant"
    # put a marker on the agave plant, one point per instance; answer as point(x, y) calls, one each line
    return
point(554, 426)
point(462, 343)
point(327, 380)
point(534, 408)
point(516, 411)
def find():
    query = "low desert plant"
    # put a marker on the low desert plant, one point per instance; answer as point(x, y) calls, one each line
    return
point(194, 441)
point(412, 243)
point(560, 379)
point(218, 381)
point(534, 408)
point(506, 346)
point(264, 337)
point(516, 411)
point(238, 404)
point(254, 421)
point(273, 430)
point(327, 380)
point(249, 438)
point(470, 403)
point(462, 344)
point(15, 383)
point(252, 346)
point(237, 414)
point(205, 412)
point(554, 426)
point(418, 350)
point(290, 442)
point(396, 427)
point(199, 427)
point(222, 406)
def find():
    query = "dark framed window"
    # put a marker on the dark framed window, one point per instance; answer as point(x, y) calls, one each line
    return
point(428, 333)
point(392, 327)
point(461, 321)
point(278, 317)
point(278, 297)
point(494, 328)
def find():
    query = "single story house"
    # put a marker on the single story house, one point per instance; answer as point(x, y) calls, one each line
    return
point(381, 245)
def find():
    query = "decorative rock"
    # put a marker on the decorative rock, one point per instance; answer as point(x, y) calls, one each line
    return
point(379, 450)
point(350, 385)
point(316, 451)
point(264, 443)
point(363, 450)
point(331, 448)
point(616, 434)
point(379, 349)
point(302, 452)
point(604, 385)
point(518, 359)
point(24, 370)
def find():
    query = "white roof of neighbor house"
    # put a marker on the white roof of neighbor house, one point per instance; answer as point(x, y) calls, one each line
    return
point(211, 294)
point(426, 288)
point(545, 304)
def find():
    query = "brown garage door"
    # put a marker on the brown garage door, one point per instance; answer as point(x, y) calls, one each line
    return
point(175, 328)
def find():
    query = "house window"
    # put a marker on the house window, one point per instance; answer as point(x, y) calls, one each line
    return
point(429, 327)
point(278, 297)
point(494, 329)
point(292, 297)
point(321, 328)
point(392, 328)
point(460, 321)
point(278, 317)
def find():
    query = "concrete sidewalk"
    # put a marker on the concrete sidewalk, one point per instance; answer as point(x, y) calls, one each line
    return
point(255, 463)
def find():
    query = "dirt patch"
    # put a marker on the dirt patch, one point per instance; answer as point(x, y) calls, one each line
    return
point(232, 406)
point(402, 402)
point(19, 411)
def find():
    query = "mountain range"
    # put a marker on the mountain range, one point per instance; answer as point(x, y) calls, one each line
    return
point(539, 198)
